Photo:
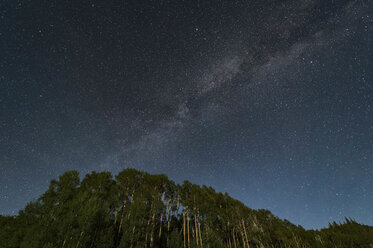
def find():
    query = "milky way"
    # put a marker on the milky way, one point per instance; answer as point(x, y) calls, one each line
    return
point(270, 101)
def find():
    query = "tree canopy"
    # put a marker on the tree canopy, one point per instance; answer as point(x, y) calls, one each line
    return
point(136, 209)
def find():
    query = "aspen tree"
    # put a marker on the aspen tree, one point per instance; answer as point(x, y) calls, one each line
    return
point(123, 208)
point(178, 200)
point(64, 242)
point(234, 238)
point(121, 220)
point(243, 237)
point(160, 227)
point(168, 215)
point(188, 229)
point(195, 225)
point(81, 234)
point(199, 232)
point(152, 232)
point(244, 228)
point(116, 215)
point(184, 227)
point(133, 234)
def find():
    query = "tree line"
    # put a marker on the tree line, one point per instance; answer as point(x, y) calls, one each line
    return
point(136, 209)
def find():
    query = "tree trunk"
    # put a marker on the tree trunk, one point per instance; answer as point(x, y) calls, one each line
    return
point(200, 233)
point(168, 215)
point(115, 215)
point(196, 226)
point(243, 237)
point(184, 227)
point(146, 230)
point(81, 234)
point(64, 242)
point(195, 220)
point(234, 239)
point(244, 228)
point(121, 220)
point(152, 233)
point(160, 227)
point(133, 234)
point(188, 229)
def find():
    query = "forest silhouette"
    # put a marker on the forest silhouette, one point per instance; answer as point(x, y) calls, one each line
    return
point(136, 209)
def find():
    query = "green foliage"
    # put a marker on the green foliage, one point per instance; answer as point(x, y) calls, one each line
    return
point(140, 210)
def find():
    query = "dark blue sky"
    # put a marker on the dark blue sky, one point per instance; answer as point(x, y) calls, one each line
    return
point(270, 101)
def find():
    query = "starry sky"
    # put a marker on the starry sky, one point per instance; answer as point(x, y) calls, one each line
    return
point(270, 101)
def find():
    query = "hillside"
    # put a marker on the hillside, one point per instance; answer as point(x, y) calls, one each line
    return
point(137, 209)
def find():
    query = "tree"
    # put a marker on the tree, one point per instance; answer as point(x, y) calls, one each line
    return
point(137, 209)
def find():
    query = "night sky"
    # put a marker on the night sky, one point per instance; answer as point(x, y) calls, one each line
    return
point(270, 101)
